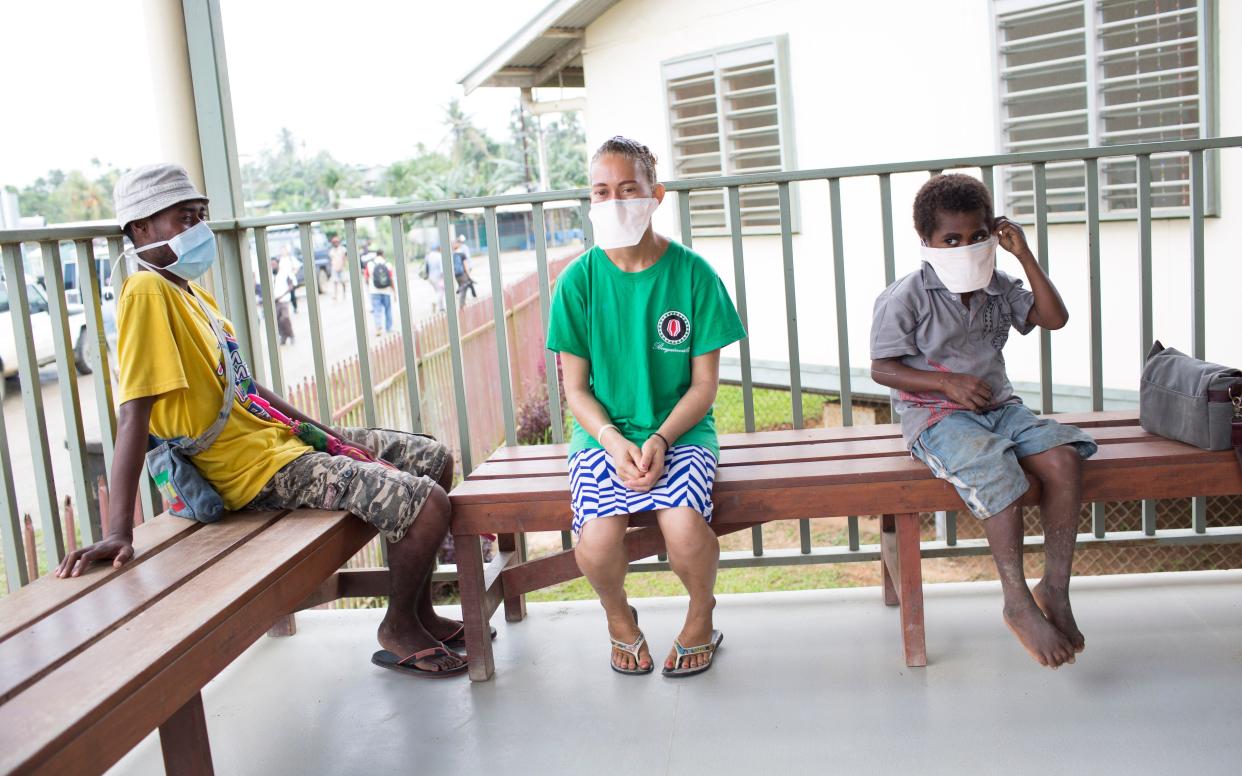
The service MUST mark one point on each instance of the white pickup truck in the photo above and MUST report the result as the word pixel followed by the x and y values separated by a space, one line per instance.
pixel 41 326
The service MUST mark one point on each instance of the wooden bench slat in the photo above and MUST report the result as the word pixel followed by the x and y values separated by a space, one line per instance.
pixel 1123 471
pixel 102 701
pixel 818 451
pixel 821 434
pixel 73 627
pixel 26 605
pixel 1214 476
pixel 767 475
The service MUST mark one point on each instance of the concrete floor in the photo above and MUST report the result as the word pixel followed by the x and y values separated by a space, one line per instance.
pixel 807 682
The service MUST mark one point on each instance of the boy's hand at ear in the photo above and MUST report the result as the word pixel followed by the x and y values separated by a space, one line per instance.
pixel 1048 311
pixel 1011 238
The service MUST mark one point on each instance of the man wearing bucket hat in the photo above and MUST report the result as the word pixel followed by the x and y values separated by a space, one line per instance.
pixel 172 378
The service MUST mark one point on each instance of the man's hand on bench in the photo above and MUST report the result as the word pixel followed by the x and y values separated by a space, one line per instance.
pixel 118 549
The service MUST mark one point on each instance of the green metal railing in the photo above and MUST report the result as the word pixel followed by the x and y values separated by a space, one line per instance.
pixel 234 282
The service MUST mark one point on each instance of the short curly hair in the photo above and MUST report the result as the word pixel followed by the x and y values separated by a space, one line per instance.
pixel 630 149
pixel 953 193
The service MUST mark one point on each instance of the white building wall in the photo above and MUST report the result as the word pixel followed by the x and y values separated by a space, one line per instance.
pixel 894 81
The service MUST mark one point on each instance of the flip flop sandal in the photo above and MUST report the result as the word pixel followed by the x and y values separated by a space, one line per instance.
pixel 684 652
pixel 389 660
pixel 457 641
pixel 632 650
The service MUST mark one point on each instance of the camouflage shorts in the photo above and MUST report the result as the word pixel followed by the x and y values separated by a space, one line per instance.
pixel 387 499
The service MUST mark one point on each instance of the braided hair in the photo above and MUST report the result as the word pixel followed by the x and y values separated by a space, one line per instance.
pixel 630 149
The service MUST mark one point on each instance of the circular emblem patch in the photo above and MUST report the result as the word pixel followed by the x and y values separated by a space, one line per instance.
pixel 674 328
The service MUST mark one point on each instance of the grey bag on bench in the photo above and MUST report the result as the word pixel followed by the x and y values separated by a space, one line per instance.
pixel 1186 399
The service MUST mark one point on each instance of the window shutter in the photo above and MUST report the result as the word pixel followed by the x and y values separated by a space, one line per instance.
pixel 1149 84
pixel 1044 102
pixel 726 118
pixel 1099 72
pixel 694 127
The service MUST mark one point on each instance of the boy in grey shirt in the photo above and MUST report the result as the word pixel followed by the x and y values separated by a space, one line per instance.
pixel 936 340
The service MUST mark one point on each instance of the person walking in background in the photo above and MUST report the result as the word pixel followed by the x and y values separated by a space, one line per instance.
pixel 289 268
pixel 461 270
pixel 433 273
pixel 381 275
pixel 283 285
pixel 336 262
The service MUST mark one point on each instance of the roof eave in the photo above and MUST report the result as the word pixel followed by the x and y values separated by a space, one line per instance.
pixel 483 74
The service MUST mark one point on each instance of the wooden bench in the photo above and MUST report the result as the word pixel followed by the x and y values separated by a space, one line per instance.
pixel 89 666
pixel 782 475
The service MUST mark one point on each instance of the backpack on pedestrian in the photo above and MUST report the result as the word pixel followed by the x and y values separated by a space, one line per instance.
pixel 381 276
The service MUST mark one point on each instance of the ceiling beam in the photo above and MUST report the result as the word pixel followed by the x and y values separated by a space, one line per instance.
pixel 559 61
pixel 564 32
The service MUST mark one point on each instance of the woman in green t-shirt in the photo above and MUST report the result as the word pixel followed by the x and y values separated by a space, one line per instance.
pixel 639 321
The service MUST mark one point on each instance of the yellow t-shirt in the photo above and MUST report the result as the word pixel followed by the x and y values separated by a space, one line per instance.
pixel 167 349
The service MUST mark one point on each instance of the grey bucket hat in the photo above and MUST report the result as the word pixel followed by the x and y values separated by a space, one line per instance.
pixel 146 190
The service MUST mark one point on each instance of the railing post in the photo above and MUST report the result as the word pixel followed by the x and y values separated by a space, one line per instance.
pixel 454 342
pixel 67 377
pixel 1198 322
pixel 1094 297
pixel 32 399
pixel 361 319
pixel 1145 296
pixel 408 344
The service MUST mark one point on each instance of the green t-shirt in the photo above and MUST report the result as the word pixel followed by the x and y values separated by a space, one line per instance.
pixel 640 330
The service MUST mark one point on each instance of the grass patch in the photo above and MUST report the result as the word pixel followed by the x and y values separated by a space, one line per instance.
pixel 773 409
pixel 665 583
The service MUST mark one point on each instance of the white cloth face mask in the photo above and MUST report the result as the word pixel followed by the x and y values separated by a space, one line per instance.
pixel 620 223
pixel 965 268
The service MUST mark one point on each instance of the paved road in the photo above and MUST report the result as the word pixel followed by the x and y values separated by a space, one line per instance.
pixel 340 342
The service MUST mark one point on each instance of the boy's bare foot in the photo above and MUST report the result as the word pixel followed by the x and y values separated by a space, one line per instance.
pixel 625 630
pixel 403 636
pixel 1056 607
pixel 1045 643
pixel 696 630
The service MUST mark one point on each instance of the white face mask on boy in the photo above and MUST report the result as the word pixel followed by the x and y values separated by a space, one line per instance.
pixel 965 268
pixel 620 223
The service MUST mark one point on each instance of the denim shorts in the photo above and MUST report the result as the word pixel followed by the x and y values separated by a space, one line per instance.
pixel 977 453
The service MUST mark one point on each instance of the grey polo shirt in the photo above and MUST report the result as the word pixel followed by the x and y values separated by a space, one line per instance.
pixel 925 325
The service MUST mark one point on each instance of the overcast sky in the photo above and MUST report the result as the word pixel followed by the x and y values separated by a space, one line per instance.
pixel 366 80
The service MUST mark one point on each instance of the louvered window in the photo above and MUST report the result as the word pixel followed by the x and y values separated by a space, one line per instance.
pixel 728 115
pixel 1099 73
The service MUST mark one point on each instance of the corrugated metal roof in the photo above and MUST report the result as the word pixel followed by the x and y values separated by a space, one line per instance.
pixel 546 51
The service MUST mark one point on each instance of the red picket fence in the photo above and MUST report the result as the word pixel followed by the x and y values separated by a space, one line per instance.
pixel 525 331
pixel 525 334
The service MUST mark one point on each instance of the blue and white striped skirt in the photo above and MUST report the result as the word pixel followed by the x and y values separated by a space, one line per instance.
pixel 595 490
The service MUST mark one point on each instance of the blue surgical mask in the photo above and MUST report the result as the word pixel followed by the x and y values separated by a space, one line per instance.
pixel 195 249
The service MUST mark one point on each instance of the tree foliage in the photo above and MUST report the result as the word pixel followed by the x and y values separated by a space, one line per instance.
pixel 65 197
pixel 284 178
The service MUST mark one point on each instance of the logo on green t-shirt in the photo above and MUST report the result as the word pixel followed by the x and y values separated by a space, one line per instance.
pixel 674 327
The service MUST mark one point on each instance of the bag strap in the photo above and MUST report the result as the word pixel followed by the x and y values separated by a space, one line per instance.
pixel 205 440
pixel 1235 397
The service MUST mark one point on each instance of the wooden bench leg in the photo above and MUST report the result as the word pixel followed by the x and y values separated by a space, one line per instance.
pixel 515 606
pixel 903 577
pixel 285 626
pixel 183 739
pixel 474 611
pixel 886 559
